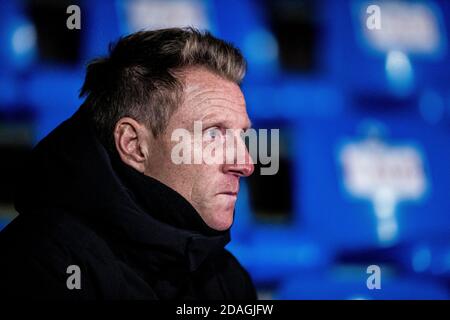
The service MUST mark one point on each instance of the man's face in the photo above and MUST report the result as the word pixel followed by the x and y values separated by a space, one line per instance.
pixel 210 188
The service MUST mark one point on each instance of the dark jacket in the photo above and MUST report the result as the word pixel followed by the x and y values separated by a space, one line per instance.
pixel 131 236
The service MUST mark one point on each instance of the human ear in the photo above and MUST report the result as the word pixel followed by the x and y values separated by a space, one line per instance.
pixel 132 143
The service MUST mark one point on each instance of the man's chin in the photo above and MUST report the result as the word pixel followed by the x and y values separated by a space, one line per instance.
pixel 222 226
pixel 221 220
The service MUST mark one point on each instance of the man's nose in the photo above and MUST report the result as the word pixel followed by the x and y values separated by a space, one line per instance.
pixel 240 170
pixel 238 167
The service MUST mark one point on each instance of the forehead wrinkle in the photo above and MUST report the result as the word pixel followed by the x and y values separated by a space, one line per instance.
pixel 216 115
pixel 195 93
pixel 202 96
pixel 192 98
pixel 221 103
pixel 208 103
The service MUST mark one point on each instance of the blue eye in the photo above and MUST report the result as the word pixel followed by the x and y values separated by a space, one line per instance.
pixel 213 133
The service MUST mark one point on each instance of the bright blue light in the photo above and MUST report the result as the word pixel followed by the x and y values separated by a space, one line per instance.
pixel 261 49
pixel 399 73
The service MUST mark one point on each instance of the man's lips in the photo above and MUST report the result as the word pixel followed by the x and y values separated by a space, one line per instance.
pixel 232 192
pixel 231 189
pixel 229 193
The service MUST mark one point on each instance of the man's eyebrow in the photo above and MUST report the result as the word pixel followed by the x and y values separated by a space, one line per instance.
pixel 212 117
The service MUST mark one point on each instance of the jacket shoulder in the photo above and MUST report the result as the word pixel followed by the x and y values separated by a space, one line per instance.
pixel 43 256
pixel 236 280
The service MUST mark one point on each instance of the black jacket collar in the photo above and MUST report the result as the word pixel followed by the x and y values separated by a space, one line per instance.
pixel 148 222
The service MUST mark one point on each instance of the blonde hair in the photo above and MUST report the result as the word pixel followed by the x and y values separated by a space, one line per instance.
pixel 139 78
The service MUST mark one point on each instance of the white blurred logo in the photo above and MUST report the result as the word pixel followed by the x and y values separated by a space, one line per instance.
pixel 385 175
pixel 400 25
pixel 158 14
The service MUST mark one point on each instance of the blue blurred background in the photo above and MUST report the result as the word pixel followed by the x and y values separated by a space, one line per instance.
pixel 363 113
